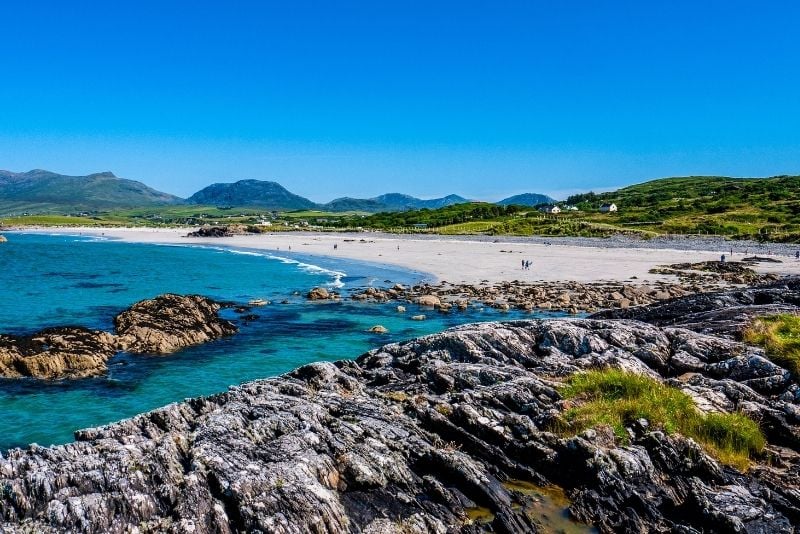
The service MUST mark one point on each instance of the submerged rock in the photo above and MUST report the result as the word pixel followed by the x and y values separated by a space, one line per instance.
pixel 161 325
pixel 430 435
pixel 3 239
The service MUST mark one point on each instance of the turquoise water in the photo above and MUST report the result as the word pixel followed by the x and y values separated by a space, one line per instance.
pixel 73 280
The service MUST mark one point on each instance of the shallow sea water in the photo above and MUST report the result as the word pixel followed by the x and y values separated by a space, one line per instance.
pixel 75 280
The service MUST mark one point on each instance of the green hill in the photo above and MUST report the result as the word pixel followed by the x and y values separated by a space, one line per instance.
pixel 48 192
pixel 761 208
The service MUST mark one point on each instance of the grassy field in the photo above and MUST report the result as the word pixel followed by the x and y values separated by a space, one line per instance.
pixel 617 398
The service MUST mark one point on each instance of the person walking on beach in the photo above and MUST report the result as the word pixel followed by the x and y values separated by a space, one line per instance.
pixel 523 265
pixel 797 255
pixel 723 258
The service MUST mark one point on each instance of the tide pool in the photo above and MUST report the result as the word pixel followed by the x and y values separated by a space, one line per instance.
pixel 74 280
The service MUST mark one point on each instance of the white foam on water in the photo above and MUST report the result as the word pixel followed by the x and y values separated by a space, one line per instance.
pixel 309 268
pixel 313 269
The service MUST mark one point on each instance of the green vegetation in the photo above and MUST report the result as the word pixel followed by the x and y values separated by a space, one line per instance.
pixel 755 208
pixel 41 191
pixel 765 209
pixel 435 218
pixel 617 398
pixel 780 337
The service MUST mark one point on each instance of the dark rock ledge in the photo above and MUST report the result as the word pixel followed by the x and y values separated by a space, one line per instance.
pixel 158 326
pixel 412 436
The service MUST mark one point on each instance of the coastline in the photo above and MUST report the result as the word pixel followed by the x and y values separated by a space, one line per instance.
pixel 459 259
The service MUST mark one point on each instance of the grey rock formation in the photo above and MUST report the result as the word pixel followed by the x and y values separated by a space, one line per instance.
pixel 414 437
pixel 721 313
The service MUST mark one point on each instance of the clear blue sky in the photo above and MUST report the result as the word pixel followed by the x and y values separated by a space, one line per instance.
pixel 484 99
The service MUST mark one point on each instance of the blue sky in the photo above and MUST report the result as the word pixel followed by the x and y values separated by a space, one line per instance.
pixel 484 99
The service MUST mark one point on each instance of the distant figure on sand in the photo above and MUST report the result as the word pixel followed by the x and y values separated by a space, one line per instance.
pixel 797 255
pixel 335 246
pixel 723 258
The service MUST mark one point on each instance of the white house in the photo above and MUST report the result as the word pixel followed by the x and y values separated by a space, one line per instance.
pixel 608 208
pixel 550 209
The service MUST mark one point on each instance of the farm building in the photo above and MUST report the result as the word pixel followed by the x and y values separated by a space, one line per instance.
pixel 608 208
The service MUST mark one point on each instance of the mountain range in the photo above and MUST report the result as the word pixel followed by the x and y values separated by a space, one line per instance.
pixel 41 191
pixel 44 191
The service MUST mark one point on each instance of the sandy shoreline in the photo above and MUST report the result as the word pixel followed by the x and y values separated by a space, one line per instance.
pixel 454 260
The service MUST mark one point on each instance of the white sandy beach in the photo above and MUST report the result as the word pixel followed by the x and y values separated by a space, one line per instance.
pixel 453 260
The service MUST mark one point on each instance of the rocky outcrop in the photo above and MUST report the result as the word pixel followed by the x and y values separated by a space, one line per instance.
pixel 3 239
pixel 320 293
pixel 574 297
pixel 722 313
pixel 170 322
pixel 158 326
pixel 225 230
pixel 715 272
pixel 416 437
pixel 68 352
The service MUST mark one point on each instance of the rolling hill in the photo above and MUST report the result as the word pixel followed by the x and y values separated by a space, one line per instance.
pixel 48 192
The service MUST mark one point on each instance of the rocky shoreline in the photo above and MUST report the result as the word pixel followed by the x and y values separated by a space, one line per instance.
pixel 451 432
pixel 158 326
pixel 571 297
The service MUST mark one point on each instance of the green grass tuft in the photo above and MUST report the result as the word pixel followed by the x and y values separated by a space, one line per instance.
pixel 617 398
pixel 780 337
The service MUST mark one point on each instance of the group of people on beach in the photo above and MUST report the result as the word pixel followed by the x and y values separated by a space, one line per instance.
pixel 526 265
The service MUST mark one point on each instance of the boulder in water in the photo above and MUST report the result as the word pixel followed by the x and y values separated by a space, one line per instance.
pixel 318 293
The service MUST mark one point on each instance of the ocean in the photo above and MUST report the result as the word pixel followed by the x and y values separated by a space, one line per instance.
pixel 58 280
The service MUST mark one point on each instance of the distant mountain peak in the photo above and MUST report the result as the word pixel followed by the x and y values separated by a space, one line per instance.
pixel 249 192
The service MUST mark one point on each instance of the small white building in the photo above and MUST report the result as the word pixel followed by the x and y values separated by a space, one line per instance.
pixel 608 208
pixel 550 209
